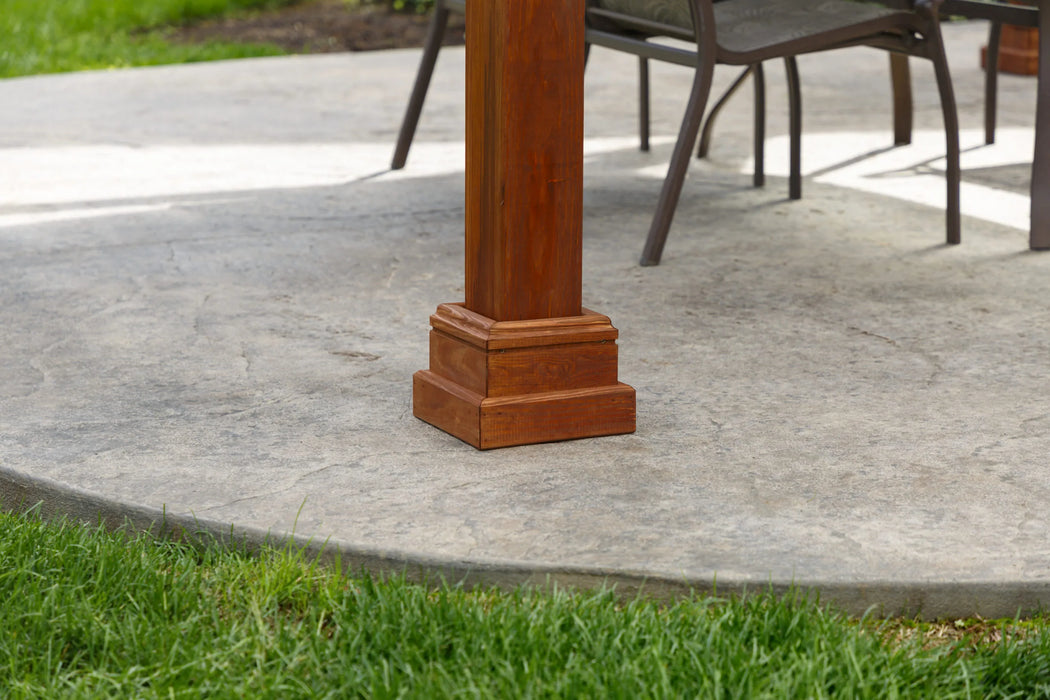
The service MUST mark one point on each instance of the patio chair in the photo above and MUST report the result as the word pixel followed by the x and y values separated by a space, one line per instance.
pixel 432 45
pixel 743 32
pixel 746 32
pixel 1025 15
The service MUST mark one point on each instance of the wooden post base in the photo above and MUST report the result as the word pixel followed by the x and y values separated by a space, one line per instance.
pixel 502 383
pixel 1018 51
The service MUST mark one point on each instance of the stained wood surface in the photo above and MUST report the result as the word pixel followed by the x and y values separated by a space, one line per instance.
pixel 500 383
pixel 524 169
pixel 541 356
pixel 521 361
pixel 1018 50
pixel 486 333
pixel 488 423
pixel 557 416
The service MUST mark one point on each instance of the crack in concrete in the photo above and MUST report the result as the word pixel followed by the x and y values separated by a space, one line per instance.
pixel 247 360
pixel 197 316
pixel 913 348
pixel 36 363
pixel 395 265
pixel 1023 433
pixel 244 499
pixel 297 480
pixel 38 384
pixel 870 334
pixel 1042 417
pixel 355 355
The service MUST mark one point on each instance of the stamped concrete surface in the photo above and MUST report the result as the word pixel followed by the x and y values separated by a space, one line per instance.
pixel 213 295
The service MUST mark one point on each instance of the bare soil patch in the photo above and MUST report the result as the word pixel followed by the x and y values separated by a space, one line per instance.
pixel 322 26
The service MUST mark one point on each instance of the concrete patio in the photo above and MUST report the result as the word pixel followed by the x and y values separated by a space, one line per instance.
pixel 214 295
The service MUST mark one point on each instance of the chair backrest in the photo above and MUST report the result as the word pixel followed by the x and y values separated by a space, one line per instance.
pixel 672 13
pixel 634 20
pixel 691 20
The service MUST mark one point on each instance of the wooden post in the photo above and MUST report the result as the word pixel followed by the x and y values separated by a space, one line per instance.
pixel 521 361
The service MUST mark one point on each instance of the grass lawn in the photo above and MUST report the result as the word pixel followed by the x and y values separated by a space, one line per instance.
pixel 88 613
pixel 47 36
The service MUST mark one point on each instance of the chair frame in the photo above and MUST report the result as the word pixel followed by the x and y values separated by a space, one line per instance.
pixel 636 35
pixel 998 14
pixel 710 52
pixel 432 45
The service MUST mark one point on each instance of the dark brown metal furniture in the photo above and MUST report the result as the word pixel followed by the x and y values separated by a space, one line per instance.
pixel 999 13
pixel 746 33
pixel 432 45
pixel 438 24
pixel 639 27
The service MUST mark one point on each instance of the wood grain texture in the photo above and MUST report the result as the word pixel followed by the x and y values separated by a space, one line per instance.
pixel 458 361
pixel 446 405
pixel 524 165
pixel 488 423
pixel 508 358
pixel 459 321
pixel 499 383
pixel 565 415
pixel 522 361
pixel 551 368
pixel 523 370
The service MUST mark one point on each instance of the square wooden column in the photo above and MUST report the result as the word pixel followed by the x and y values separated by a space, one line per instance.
pixel 521 361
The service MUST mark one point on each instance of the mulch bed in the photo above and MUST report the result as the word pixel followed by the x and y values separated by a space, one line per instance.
pixel 323 26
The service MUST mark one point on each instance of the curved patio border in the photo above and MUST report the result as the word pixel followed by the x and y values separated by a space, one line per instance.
pixel 925 599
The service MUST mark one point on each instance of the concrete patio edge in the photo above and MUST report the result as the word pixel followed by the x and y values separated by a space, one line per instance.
pixel 924 599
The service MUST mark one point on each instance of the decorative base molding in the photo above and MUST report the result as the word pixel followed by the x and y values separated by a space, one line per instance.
pixel 1018 51
pixel 502 383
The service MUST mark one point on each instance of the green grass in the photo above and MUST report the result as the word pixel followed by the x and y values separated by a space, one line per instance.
pixel 86 613
pixel 47 36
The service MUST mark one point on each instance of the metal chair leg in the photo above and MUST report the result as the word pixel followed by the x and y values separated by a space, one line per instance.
pixel 951 135
pixel 795 127
pixel 991 81
pixel 709 123
pixel 643 103
pixel 1039 235
pixel 900 78
pixel 759 176
pixel 435 34
pixel 683 151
